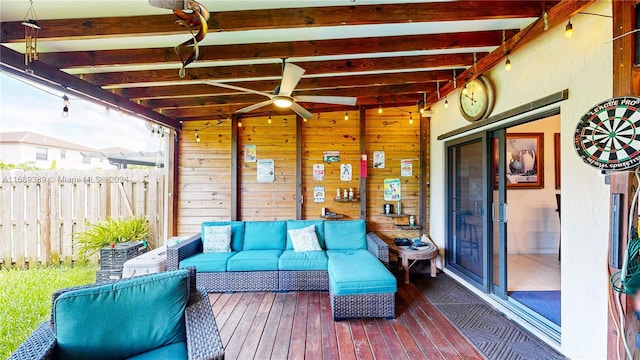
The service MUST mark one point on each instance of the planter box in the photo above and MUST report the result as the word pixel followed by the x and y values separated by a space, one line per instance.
pixel 114 258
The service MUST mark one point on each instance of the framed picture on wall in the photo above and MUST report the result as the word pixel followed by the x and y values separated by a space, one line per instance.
pixel 556 158
pixel 524 160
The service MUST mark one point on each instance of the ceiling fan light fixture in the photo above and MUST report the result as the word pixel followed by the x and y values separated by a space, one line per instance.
pixel 282 101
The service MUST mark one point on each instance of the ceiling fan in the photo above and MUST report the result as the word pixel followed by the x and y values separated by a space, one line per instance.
pixel 281 96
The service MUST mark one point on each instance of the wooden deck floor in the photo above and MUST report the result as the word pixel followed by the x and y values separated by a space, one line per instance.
pixel 298 325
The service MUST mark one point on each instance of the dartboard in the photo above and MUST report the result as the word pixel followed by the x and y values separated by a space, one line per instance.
pixel 607 136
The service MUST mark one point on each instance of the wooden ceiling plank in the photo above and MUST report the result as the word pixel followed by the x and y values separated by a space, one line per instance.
pixel 557 15
pixel 96 59
pixel 266 70
pixel 159 93
pixel 225 111
pixel 13 62
pixel 65 29
pixel 249 99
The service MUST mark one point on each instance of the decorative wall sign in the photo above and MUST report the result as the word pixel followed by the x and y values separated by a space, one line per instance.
pixel 331 156
pixel 378 159
pixel 266 170
pixel 250 153
pixel 392 190
pixel 606 136
pixel 318 172
pixel 406 167
pixel 346 172
pixel 318 194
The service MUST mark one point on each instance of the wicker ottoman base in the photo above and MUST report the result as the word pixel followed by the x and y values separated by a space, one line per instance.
pixel 238 281
pixel 293 280
pixel 363 306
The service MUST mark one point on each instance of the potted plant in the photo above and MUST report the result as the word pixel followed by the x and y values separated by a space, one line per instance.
pixel 110 232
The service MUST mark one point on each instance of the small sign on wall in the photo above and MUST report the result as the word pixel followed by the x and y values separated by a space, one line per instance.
pixel 378 159
pixel 346 172
pixel 318 172
pixel 250 153
pixel 392 191
pixel 266 170
pixel 318 194
pixel 331 156
pixel 406 167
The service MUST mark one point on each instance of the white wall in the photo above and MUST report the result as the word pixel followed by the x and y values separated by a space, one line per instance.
pixel 17 153
pixel 582 64
pixel 534 227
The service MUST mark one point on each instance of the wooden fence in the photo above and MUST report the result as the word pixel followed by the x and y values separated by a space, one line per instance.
pixel 41 210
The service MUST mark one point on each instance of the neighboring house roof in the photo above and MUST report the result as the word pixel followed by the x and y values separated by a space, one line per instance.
pixel 28 137
pixel 114 150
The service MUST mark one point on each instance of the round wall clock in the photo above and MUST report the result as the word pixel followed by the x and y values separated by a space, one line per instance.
pixel 607 135
pixel 476 99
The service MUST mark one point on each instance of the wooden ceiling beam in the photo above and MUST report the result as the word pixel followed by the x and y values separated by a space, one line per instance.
pixel 277 50
pixel 91 28
pixel 306 84
pixel 267 70
pixel 557 15
pixel 370 91
pixel 225 111
pixel 13 62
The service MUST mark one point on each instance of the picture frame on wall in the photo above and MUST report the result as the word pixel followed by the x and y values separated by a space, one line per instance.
pixel 524 160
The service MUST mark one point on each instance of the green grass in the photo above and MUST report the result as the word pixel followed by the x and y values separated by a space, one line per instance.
pixel 26 299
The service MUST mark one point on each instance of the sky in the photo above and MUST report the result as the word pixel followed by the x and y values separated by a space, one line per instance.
pixel 27 108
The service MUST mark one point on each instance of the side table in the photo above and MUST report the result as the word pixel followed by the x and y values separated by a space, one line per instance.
pixel 404 253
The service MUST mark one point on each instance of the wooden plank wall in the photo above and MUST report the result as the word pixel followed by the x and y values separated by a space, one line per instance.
pixel 391 132
pixel 330 132
pixel 204 174
pixel 277 141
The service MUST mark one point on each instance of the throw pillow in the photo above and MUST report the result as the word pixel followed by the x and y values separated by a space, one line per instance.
pixel 305 239
pixel 216 239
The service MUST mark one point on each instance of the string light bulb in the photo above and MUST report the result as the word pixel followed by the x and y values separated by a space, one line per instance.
pixel 197 137
pixel 568 30
pixel 464 90
pixel 65 111
pixel 380 109
pixel 269 121
pixel 107 110
pixel 446 103
pixel 346 116
pixel 239 123
pixel 507 64
pixel 305 119
pixel 65 100
pixel 410 119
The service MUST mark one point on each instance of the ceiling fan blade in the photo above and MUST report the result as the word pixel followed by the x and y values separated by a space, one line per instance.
pixel 254 106
pixel 301 111
pixel 290 78
pixel 339 100
pixel 233 87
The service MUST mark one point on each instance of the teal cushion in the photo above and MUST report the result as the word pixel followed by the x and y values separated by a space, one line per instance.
pixel 254 260
pixel 264 235
pixel 175 351
pixel 345 235
pixel 299 224
pixel 209 262
pixel 237 232
pixel 123 319
pixel 353 272
pixel 308 260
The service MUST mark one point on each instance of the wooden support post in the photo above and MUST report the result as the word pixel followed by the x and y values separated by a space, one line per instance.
pixel 172 183
pixel 299 198
pixel 626 82
pixel 424 173
pixel 234 168
pixel 362 123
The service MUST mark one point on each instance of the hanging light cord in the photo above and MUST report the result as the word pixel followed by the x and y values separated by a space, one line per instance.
pixel 37 87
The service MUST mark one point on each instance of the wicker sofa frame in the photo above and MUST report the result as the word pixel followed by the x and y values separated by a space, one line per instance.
pixel 343 307
pixel 203 339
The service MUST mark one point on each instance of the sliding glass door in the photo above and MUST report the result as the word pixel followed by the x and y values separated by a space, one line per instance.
pixel 466 209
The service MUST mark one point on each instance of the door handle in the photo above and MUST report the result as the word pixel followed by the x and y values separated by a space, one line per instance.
pixel 493 212
pixel 504 213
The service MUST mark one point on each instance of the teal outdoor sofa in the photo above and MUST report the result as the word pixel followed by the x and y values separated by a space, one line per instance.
pixel 158 316
pixel 352 265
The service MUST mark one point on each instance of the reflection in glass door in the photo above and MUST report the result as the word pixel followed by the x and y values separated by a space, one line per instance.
pixel 466 190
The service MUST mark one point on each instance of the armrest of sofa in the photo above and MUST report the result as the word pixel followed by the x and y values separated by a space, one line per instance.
pixel 378 247
pixel 203 339
pixel 41 344
pixel 185 249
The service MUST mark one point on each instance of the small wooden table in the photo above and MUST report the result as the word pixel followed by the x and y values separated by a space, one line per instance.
pixel 427 252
